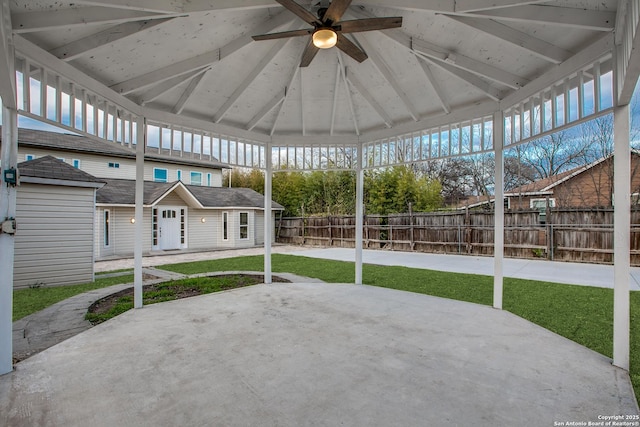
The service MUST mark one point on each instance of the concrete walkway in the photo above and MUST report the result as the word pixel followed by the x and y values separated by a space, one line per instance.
pixel 550 271
pixel 314 355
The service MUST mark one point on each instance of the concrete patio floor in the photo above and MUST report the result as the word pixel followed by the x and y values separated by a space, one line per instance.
pixel 314 354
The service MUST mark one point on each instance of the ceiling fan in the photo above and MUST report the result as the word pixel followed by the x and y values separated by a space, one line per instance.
pixel 328 29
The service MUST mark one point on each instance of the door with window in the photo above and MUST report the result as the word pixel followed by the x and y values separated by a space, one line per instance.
pixel 168 228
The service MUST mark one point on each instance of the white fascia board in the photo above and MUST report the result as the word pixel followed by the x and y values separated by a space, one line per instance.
pixel 60 182
pixel 119 205
pixel 183 192
pixel 530 193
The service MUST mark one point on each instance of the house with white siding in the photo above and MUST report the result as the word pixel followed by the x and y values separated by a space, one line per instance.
pixel 185 206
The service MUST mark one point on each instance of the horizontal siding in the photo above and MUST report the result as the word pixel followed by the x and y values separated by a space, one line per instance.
pixel 203 235
pixel 122 232
pixel 172 199
pixel 98 165
pixel 54 239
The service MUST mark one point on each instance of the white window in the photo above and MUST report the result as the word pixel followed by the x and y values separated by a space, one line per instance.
pixel 29 157
pixel 244 225
pixel 114 165
pixel 106 226
pixel 61 159
pixel 208 180
pixel 154 227
pixel 225 225
pixel 541 204
pixel 76 163
pixel 183 226
pixel 196 178
pixel 160 175
pixel 179 175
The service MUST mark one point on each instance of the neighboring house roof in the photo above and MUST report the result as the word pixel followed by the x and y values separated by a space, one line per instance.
pixel 49 170
pixel 82 144
pixel 121 192
pixel 541 187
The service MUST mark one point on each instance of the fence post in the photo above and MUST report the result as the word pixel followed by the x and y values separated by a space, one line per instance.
pixel 303 230
pixel 412 243
pixel 330 231
pixel 549 229
pixel 390 234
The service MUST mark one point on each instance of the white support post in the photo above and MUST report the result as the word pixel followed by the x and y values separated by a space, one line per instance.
pixel 498 245
pixel 268 225
pixel 139 210
pixel 621 237
pixel 359 220
pixel 8 193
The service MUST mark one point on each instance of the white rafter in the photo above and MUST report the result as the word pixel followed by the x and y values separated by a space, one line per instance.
pixel 362 89
pixel 526 41
pixel 386 72
pixel 160 89
pixel 434 84
pixel 478 5
pixel 184 98
pixel 266 110
pixel 290 80
pixel 334 107
pixel 565 16
pixel 302 102
pixel 475 81
pixel 343 76
pixel 437 52
pixel 25 22
pixel 202 60
pixel 237 93
pixel 173 6
pixel 88 44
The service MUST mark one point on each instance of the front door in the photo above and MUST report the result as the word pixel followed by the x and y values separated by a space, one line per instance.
pixel 168 228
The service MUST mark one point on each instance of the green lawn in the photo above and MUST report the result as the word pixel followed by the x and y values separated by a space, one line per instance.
pixel 581 313
pixel 30 300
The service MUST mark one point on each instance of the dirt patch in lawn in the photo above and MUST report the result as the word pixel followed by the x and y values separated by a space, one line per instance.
pixel 118 302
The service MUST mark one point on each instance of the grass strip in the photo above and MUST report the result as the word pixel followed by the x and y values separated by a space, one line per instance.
pixel 167 291
pixel 30 300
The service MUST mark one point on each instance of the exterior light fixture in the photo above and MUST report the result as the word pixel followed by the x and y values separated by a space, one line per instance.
pixel 133 220
pixel 203 220
pixel 325 38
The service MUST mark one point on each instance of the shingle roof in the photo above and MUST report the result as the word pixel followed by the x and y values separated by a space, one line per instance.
pixel 122 192
pixel 229 197
pixel 82 144
pixel 48 167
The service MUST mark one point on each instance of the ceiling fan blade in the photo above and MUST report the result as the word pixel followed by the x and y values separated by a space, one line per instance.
pixel 300 11
pixel 309 53
pixel 369 24
pixel 348 47
pixel 283 34
pixel 337 8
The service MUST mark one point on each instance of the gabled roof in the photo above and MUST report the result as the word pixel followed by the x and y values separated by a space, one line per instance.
pixel 49 170
pixel 82 144
pixel 121 192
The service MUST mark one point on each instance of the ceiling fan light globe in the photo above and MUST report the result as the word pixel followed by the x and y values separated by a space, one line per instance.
pixel 325 38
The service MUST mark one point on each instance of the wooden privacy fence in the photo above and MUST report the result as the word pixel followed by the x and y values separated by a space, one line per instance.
pixel 579 235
